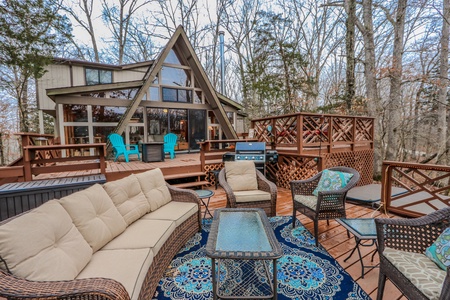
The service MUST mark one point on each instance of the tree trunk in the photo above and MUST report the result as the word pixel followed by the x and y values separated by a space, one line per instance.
pixel 372 98
pixel 443 86
pixel 350 49
pixel 395 93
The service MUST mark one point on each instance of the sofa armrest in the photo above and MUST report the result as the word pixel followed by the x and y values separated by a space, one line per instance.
pixel 412 235
pixel 12 287
pixel 185 195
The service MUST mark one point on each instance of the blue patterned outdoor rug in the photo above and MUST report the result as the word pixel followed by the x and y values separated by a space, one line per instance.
pixel 304 271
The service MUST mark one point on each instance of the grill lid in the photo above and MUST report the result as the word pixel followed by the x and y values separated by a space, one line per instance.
pixel 250 147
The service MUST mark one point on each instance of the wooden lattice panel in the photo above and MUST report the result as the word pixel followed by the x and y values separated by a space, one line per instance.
pixel 342 129
pixel 426 188
pixel 261 132
pixel 291 168
pixel 364 129
pixel 286 130
pixel 208 171
pixel 315 129
pixel 362 161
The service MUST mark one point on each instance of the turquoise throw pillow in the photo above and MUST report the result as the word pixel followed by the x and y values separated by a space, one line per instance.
pixel 332 181
pixel 439 251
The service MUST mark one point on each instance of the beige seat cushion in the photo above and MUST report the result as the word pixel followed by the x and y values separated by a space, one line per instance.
pixel 143 234
pixel 173 211
pixel 241 175
pixel 44 245
pixel 95 216
pixel 309 201
pixel 154 187
pixel 127 266
pixel 128 197
pixel 251 196
pixel 419 269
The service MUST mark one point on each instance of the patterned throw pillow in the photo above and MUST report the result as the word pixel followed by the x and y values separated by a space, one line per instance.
pixel 439 251
pixel 332 181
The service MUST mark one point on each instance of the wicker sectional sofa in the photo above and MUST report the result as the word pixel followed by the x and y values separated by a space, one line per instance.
pixel 111 241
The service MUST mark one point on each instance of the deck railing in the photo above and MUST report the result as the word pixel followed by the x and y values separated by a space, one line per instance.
pixel 304 133
pixel 426 187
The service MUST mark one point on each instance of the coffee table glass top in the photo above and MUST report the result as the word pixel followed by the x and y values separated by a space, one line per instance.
pixel 241 231
pixel 365 228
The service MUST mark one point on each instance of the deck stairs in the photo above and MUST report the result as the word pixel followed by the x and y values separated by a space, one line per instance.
pixel 187 180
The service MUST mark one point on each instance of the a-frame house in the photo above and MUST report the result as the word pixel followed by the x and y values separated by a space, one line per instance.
pixel 142 101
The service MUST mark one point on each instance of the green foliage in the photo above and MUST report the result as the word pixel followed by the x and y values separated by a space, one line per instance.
pixel 276 75
pixel 30 31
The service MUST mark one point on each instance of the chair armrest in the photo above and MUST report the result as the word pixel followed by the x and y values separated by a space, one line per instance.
pixel 231 198
pixel 445 292
pixel 132 145
pixel 266 185
pixel 412 235
pixel 12 287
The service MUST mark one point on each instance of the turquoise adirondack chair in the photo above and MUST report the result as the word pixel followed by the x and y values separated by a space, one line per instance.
pixel 170 140
pixel 120 148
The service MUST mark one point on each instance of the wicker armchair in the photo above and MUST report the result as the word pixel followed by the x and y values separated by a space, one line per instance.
pixel 327 205
pixel 409 235
pixel 265 185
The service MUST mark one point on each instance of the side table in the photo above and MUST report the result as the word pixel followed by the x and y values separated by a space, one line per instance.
pixel 205 194
pixel 362 229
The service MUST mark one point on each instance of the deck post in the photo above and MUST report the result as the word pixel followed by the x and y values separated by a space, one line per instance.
pixel 386 186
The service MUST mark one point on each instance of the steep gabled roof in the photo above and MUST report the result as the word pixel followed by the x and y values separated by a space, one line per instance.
pixel 181 44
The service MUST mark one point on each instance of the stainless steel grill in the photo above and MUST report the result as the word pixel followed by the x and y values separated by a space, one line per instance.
pixel 254 151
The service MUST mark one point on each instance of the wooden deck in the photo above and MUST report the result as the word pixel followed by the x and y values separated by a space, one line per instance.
pixel 334 239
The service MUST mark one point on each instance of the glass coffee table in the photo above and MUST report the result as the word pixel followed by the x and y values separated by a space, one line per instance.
pixel 242 241
pixel 362 229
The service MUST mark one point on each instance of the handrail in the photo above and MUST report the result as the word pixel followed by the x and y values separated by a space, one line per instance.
pixel 326 133
pixel 426 186
pixel 38 161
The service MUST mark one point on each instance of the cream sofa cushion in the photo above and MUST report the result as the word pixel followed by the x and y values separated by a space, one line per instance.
pixel 143 234
pixel 95 216
pixel 173 211
pixel 251 196
pixel 154 187
pixel 419 269
pixel 127 196
pixel 241 175
pixel 44 245
pixel 127 266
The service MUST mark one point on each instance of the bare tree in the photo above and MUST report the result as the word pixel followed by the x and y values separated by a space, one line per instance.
pixel 82 13
pixel 118 18
pixel 442 128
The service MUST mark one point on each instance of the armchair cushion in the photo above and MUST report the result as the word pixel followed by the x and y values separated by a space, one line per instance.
pixel 94 214
pixel 241 175
pixel 419 269
pixel 252 196
pixel 127 196
pixel 309 201
pixel 332 181
pixel 154 187
pixel 439 251
pixel 59 253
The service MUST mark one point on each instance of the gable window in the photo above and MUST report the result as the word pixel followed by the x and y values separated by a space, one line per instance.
pixel 176 95
pixel 176 77
pixel 97 76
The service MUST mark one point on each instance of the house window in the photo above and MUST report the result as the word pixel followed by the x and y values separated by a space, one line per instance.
pixel 98 76
pixel 176 95
pixel 175 77
pixel 75 113
pixel 107 113
pixel 230 116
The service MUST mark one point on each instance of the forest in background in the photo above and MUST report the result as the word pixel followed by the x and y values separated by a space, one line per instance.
pixel 384 59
